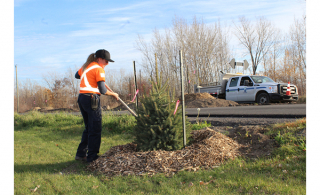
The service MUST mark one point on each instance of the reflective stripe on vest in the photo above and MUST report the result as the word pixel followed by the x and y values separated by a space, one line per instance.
pixel 86 83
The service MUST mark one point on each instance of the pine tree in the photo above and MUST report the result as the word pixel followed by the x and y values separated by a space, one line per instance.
pixel 157 126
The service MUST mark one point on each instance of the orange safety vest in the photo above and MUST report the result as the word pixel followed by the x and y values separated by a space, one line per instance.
pixel 90 78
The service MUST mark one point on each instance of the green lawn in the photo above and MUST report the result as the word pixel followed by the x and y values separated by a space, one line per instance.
pixel 45 146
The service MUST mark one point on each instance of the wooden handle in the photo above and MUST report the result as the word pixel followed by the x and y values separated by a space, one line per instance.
pixel 122 102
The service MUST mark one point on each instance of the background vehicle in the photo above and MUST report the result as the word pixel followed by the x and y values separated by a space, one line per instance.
pixel 249 88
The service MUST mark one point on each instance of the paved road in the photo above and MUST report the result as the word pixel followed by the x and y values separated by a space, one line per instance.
pixel 259 111
pixel 265 111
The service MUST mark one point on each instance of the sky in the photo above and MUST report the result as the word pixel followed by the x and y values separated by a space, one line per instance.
pixel 54 35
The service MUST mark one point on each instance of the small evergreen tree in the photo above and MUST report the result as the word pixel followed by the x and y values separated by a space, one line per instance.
pixel 157 126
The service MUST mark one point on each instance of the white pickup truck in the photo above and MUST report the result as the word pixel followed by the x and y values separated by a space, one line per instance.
pixel 249 88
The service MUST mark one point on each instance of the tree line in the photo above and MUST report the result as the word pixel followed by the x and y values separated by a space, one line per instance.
pixel 62 89
pixel 206 51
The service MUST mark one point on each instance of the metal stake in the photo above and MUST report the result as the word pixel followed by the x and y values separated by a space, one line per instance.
pixel 135 83
pixel 182 99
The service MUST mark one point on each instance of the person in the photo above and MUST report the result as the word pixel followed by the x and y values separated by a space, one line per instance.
pixel 92 85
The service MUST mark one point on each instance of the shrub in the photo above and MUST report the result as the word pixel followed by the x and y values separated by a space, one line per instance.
pixel 157 126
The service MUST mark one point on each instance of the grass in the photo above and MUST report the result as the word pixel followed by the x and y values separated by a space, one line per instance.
pixel 45 146
pixel 200 125
pixel 302 99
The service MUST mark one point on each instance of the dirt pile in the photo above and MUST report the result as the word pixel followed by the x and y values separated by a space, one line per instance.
pixel 198 96
pixel 253 140
pixel 205 100
pixel 208 149
pixel 193 100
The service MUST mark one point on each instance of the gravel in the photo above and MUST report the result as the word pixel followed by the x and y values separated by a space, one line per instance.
pixel 234 122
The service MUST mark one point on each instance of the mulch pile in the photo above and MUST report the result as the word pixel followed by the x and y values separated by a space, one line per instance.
pixel 208 150
pixel 205 100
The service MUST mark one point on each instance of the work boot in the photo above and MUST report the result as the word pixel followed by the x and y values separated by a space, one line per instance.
pixel 81 158
pixel 95 158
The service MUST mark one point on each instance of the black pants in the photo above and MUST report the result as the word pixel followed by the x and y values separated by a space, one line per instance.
pixel 91 136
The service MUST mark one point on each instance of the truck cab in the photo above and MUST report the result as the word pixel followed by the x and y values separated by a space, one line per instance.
pixel 260 89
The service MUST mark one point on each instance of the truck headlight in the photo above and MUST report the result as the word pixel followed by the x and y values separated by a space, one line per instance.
pixel 273 89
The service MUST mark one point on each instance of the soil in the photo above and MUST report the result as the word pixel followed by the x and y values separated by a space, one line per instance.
pixel 205 100
pixel 254 143
pixel 210 147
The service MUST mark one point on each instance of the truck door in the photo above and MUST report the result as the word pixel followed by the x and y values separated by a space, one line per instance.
pixel 232 89
pixel 246 90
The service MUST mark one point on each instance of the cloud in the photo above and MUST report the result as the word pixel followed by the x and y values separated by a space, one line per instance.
pixel 87 33
pixel 131 7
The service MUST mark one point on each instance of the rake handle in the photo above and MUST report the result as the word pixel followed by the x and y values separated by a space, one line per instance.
pixel 122 102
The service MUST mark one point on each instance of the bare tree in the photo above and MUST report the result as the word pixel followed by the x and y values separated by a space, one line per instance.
pixel 61 88
pixel 297 52
pixel 205 52
pixel 257 38
pixel 273 60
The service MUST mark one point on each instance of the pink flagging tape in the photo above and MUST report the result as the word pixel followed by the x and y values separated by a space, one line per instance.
pixel 189 81
pixel 194 72
pixel 177 104
pixel 135 95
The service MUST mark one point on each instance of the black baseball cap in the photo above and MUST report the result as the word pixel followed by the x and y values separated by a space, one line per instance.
pixel 104 54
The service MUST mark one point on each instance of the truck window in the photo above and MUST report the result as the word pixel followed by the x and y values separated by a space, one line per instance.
pixel 244 79
pixel 262 79
pixel 234 82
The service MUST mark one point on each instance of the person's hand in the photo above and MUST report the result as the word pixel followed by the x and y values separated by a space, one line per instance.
pixel 116 96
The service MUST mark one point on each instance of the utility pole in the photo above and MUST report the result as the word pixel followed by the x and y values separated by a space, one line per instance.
pixel 182 99
pixel 17 90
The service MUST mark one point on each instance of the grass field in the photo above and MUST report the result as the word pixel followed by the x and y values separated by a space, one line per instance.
pixel 45 146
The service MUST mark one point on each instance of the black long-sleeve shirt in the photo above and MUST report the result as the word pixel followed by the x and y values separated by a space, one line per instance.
pixel 101 86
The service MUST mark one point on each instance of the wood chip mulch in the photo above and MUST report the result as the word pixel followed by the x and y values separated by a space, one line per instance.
pixel 208 150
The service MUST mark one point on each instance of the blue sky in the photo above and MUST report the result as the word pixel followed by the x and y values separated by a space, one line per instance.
pixel 53 35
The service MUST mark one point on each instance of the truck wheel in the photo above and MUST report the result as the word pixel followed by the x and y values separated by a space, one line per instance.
pixel 262 98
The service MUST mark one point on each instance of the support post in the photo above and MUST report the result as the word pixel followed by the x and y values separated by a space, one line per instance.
pixel 182 100
pixel 135 82
pixel 198 82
